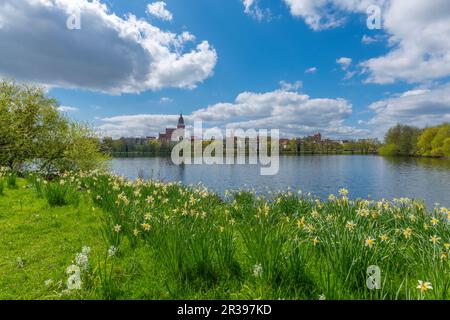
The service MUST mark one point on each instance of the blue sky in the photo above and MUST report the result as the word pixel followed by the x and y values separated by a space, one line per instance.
pixel 251 70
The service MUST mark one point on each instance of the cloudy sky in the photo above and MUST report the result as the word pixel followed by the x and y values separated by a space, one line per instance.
pixel 301 66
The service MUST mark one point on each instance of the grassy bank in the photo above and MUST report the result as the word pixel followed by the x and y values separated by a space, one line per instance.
pixel 97 236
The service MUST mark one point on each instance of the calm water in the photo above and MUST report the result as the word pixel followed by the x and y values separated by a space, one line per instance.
pixel 364 176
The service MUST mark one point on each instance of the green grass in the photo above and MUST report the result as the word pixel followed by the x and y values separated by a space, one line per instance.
pixel 45 239
pixel 175 242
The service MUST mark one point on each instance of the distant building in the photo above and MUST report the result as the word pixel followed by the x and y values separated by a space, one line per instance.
pixel 317 137
pixel 167 136
pixel 284 143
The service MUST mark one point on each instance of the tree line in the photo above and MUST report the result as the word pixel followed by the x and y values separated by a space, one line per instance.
pixel 405 140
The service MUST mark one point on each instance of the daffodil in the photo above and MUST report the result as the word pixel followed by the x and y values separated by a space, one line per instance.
pixel 434 221
pixel 424 286
pixel 435 239
pixel 407 233
pixel 350 225
pixel 370 242
pixel 343 192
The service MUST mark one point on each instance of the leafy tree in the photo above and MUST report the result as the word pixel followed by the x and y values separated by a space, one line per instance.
pixel 433 141
pixel 32 130
pixel 446 148
pixel 401 140
pixel 425 140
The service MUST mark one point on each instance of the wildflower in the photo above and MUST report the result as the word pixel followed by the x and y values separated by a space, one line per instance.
pixel 384 237
pixel 146 226
pixel 20 262
pixel 424 286
pixel 412 217
pixel 147 216
pixel 72 269
pixel 221 228
pixel 331 197
pixel 434 221
pixel 407 233
pixel 82 261
pixel 85 250
pixel 48 282
pixel 74 281
pixel 444 255
pixel 322 297
pixel 343 192
pixel 257 270
pixel 370 242
pixel 315 241
pixel 363 212
pixel 135 232
pixel 301 222
pixel 447 245
pixel 350 225
pixel 435 239
pixel 314 213
pixel 425 226
pixel 117 228
pixel 112 251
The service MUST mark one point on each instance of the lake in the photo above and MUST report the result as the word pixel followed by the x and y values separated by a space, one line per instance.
pixel 364 176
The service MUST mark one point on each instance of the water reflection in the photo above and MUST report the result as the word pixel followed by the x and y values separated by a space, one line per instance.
pixel 364 176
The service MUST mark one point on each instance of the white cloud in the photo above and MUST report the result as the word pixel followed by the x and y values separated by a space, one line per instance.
pixel 158 9
pixel 418 34
pixel 311 70
pixel 165 100
pixel 371 39
pixel 420 39
pixel 327 14
pixel 293 113
pixel 419 107
pixel 252 8
pixel 67 109
pixel 287 86
pixel 344 62
pixel 109 54
pixel 140 125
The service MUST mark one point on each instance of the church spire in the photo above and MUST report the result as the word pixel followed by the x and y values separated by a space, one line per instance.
pixel 181 122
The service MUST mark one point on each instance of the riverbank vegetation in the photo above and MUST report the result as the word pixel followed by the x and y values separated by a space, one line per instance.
pixel 89 235
pixel 403 140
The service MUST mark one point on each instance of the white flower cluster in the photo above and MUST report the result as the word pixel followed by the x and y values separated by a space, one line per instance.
pixel 112 251
pixel 75 270
pixel 257 270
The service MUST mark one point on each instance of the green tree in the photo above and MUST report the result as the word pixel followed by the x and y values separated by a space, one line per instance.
pixel 32 130
pixel 401 140
pixel 425 140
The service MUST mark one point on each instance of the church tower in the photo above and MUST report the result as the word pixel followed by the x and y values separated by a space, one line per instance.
pixel 181 122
